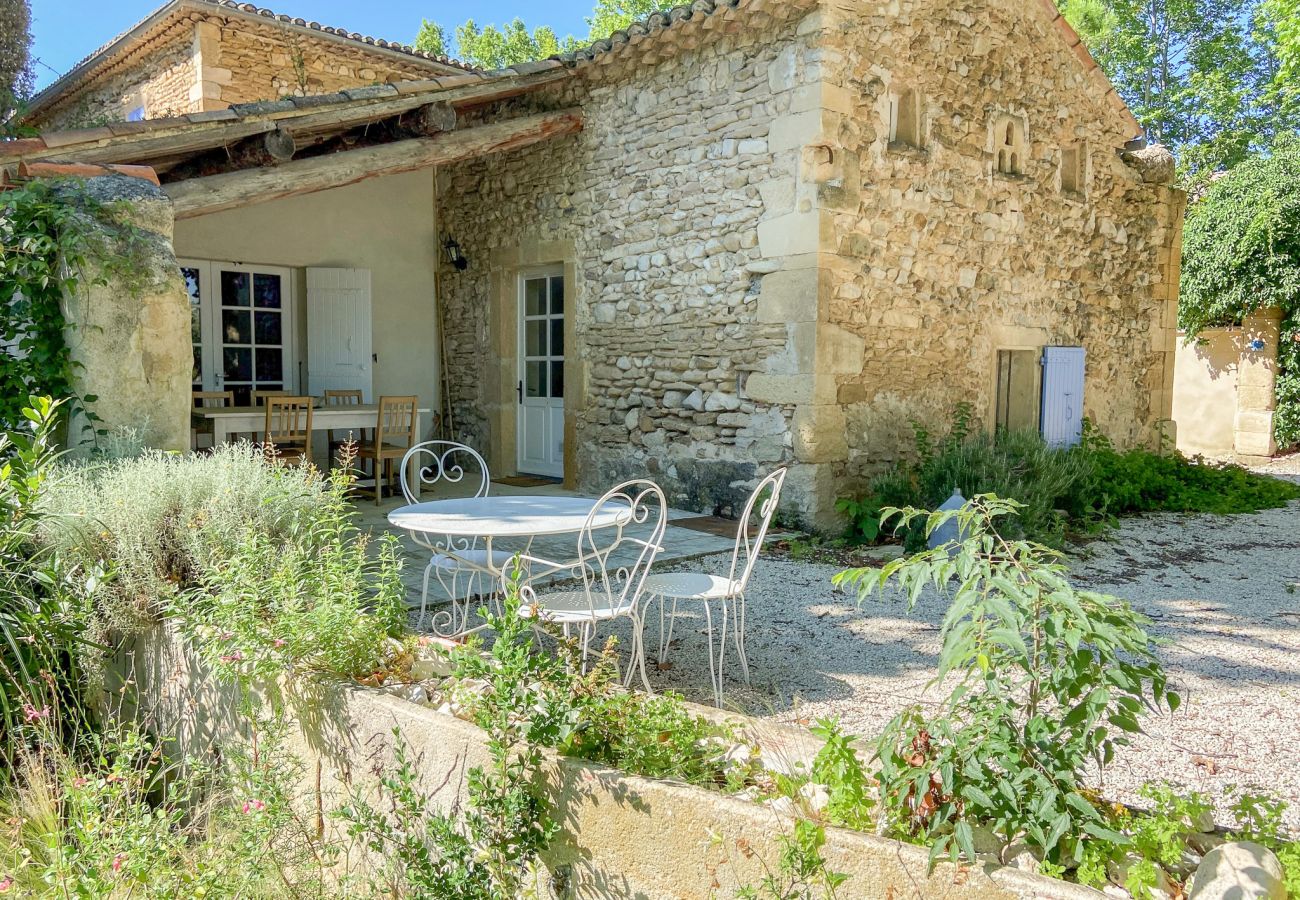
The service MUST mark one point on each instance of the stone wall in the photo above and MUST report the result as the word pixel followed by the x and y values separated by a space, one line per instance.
pixel 197 65
pixel 162 81
pixel 130 334
pixel 242 63
pixel 936 259
pixel 618 835
pixel 657 207
pixel 766 275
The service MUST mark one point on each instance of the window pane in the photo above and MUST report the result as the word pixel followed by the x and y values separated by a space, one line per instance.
pixel 533 385
pixel 266 328
pixel 197 375
pixel 270 364
pixel 234 288
pixel 557 295
pixel 535 297
pixel 243 394
pixel 238 364
pixel 191 277
pixel 266 291
pixel 236 326
pixel 196 325
pixel 557 380
pixel 535 338
pixel 557 337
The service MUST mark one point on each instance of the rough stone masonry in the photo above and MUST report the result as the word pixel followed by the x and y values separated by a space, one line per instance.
pixel 790 240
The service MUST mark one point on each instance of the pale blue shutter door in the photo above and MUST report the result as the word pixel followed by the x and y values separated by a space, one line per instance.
pixel 1062 396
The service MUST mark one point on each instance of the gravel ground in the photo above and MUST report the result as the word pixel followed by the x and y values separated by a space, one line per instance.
pixel 1217 588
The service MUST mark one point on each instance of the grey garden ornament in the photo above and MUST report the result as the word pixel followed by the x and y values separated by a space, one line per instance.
pixel 948 532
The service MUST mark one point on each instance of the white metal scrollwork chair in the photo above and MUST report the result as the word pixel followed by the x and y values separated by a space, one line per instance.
pixel 455 561
pixel 729 591
pixel 612 569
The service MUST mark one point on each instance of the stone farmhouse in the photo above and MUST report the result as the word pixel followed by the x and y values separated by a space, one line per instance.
pixel 740 234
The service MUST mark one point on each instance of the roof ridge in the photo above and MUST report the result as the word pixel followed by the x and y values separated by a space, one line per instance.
pixel 651 24
pixel 58 88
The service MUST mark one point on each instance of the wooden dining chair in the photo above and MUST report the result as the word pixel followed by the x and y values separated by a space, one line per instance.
pixel 208 400
pixel 260 397
pixel 394 436
pixel 338 438
pixel 288 428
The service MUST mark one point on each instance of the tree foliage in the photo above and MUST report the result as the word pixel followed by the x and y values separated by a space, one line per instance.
pixel 1204 77
pixel 1241 253
pixel 15 53
pixel 494 47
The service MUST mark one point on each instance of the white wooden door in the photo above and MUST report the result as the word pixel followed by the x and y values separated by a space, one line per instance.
pixel 338 331
pixel 241 327
pixel 1063 380
pixel 540 425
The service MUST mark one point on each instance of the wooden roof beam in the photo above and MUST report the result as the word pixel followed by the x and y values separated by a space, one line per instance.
pixel 201 196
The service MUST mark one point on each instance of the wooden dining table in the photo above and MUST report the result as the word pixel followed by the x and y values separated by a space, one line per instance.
pixel 230 421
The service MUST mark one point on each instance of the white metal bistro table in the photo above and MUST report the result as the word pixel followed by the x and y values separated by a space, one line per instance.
pixel 454 528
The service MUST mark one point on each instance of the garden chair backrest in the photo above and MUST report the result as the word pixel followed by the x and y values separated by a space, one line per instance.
pixel 613 581
pixel 395 426
pixel 213 399
pixel 288 421
pixel 444 461
pixel 753 528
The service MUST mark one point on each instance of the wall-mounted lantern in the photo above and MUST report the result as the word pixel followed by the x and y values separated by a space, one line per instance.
pixel 454 256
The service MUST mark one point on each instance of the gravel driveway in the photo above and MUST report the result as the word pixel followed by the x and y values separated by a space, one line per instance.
pixel 1217 588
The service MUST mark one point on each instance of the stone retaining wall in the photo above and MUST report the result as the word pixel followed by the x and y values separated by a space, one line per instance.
pixel 622 836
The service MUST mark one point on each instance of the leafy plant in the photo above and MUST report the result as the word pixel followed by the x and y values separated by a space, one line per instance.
pixel 52 234
pixel 839 770
pixel 1048 681
pixel 1241 253
pixel 121 821
pixel 40 612
pixel 801 872
pixel 322 597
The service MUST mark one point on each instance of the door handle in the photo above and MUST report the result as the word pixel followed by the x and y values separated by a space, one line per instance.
pixel 520 390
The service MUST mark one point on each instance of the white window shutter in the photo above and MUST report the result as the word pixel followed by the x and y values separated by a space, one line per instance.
pixel 339 331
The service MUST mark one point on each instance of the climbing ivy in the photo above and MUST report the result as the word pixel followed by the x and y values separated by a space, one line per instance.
pixel 50 232
pixel 1241 253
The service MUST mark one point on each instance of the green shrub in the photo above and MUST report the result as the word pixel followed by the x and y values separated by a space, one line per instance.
pixel 119 821
pixel 41 608
pixel 1080 489
pixel 159 522
pixel 1049 681
pixel 321 596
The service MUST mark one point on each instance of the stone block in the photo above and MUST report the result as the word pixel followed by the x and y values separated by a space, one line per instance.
pixel 1237 870
pixel 789 296
pixel 793 233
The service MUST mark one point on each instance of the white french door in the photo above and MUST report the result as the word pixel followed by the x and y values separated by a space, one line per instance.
pixel 540 425
pixel 242 326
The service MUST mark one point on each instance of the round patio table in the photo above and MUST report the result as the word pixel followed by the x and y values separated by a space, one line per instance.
pixel 461 532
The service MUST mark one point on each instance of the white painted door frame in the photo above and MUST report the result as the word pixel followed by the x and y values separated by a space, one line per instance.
pixel 541 300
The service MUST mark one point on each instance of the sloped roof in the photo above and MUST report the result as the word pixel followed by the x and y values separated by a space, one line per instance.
pixel 164 144
pixel 162 19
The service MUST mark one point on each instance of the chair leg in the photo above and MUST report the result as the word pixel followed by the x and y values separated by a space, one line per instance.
pixel 739 626
pixel 638 651
pixel 424 594
pixel 715 673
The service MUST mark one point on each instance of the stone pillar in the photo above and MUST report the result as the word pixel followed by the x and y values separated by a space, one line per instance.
pixel 1257 384
pixel 131 334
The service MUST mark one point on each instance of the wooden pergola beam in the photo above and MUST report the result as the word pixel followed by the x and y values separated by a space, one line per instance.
pixel 200 196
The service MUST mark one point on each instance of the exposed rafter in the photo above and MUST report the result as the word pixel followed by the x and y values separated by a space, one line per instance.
pixel 200 196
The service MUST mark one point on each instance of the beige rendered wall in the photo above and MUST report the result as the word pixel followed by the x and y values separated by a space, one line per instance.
pixel 1225 388
pixel 1205 391
pixel 386 225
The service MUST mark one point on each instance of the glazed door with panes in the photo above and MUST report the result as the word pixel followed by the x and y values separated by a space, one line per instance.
pixel 540 426
pixel 241 323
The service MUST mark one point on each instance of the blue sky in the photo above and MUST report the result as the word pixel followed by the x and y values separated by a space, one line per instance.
pixel 64 31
